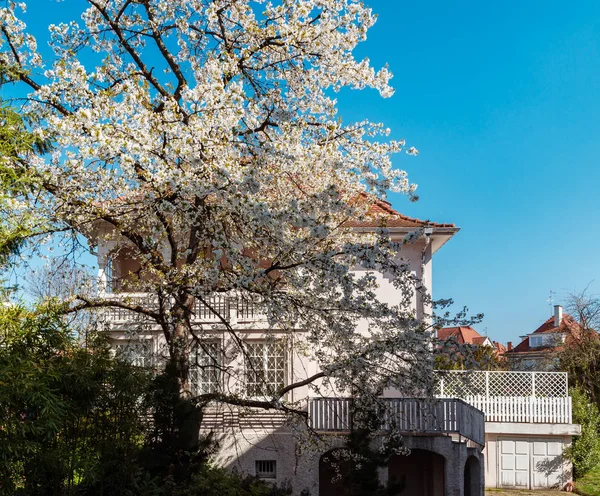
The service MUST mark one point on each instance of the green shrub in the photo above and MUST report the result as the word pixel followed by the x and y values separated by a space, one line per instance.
pixel 585 450
pixel 69 414
pixel 215 481
pixel 71 423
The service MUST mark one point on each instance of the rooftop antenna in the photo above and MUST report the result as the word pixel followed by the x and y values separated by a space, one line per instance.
pixel 550 299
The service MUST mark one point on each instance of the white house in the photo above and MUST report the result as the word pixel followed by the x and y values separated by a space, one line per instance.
pixel 446 436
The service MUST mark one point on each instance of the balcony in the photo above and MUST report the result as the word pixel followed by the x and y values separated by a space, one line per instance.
pixel 450 417
pixel 522 397
pixel 216 309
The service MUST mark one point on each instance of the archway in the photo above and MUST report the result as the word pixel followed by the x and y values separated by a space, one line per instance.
pixel 421 472
pixel 333 474
pixel 472 477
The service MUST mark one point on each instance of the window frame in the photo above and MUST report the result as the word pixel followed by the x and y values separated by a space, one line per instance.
pixel 254 388
pixel 216 384
pixel 147 343
pixel 265 474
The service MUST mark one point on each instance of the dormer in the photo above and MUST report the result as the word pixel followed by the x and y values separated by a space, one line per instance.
pixel 545 341
pixel 553 332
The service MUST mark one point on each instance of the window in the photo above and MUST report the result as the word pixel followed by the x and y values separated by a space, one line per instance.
pixel 138 353
pixel 535 341
pixel 205 364
pixel 266 469
pixel 265 368
pixel 108 274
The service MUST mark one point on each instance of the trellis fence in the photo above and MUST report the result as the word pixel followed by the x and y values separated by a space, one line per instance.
pixel 538 397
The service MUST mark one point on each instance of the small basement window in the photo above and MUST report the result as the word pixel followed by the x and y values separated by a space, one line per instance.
pixel 266 469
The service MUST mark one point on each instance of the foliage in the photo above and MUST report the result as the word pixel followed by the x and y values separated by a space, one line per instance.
pixel 451 355
pixel 585 450
pixel 16 144
pixel 589 484
pixel 69 415
pixel 72 424
pixel 212 481
pixel 206 143
pixel 581 359
pixel 581 355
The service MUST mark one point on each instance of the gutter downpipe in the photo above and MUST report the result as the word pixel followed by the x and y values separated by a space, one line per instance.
pixel 428 231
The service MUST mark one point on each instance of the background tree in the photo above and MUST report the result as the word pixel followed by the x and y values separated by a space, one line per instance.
pixel 581 354
pixel 17 144
pixel 451 355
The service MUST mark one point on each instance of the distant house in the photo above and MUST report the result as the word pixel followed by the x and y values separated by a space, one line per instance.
pixel 539 350
pixel 528 415
pixel 468 335
pixel 464 335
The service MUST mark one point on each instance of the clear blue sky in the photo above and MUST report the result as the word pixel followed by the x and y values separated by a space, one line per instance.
pixel 503 102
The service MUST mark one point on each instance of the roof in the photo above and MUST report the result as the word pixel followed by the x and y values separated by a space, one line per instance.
pixel 500 348
pixel 462 334
pixel 381 214
pixel 568 325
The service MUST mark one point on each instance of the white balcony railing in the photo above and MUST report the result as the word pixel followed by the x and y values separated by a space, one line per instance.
pixel 527 397
pixel 214 309
pixel 524 409
pixel 410 415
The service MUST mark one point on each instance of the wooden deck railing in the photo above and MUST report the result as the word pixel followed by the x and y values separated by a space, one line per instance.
pixel 409 415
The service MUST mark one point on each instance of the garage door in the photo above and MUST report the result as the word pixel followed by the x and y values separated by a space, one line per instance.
pixel 527 463
pixel 514 463
pixel 547 463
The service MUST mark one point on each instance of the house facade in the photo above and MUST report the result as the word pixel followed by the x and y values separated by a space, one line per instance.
pixel 445 436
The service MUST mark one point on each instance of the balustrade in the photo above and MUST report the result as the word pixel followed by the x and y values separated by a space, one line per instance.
pixel 414 415
pixel 216 308
pixel 510 396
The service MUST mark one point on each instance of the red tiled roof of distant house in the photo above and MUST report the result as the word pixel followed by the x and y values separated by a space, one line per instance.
pixel 381 214
pixel 500 348
pixel 568 326
pixel 462 334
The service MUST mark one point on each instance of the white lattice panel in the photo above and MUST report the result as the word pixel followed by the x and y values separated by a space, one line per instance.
pixel 460 384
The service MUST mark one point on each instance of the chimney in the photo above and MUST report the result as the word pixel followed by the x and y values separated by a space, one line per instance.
pixel 557 315
pixel 509 346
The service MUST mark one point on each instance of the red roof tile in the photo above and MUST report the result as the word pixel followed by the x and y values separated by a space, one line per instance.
pixel 462 334
pixel 500 348
pixel 381 214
